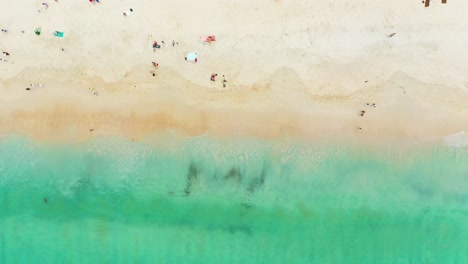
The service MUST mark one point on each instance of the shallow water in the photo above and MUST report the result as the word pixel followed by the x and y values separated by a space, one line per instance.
pixel 234 201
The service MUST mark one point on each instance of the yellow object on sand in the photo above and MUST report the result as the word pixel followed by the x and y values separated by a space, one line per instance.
pixel 91 88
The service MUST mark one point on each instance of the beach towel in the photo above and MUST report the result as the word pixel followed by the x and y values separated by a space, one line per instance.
pixel 208 39
pixel 211 38
pixel 191 56
pixel 58 34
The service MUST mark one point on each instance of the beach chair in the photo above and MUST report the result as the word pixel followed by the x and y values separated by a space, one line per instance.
pixel 426 3
pixel 444 1
pixel 58 34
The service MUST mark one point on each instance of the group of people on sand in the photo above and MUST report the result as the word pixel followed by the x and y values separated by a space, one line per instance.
pixel 32 85
pixel 213 78
pixel 364 111
pixel 4 54
pixel 126 13
pixel 156 45
pixel 45 5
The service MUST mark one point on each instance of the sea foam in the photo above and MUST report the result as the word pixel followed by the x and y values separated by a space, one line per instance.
pixel 459 139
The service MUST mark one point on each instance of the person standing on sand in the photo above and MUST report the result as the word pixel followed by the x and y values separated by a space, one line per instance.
pixel 213 77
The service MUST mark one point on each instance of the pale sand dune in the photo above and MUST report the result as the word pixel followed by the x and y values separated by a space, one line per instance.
pixel 294 68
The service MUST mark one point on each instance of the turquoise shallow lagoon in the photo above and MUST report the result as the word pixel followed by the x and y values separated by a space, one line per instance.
pixel 233 201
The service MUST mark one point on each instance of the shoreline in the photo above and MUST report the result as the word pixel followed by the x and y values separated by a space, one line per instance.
pixel 68 110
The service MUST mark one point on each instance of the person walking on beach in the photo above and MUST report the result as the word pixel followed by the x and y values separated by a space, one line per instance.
pixel 224 81
pixel 213 77
pixel 174 43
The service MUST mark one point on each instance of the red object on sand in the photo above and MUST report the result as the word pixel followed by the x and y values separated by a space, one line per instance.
pixel 208 39
pixel 211 38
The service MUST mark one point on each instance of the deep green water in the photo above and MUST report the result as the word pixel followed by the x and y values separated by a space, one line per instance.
pixel 239 201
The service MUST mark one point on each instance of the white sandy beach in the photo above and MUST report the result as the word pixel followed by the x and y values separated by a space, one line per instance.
pixel 294 69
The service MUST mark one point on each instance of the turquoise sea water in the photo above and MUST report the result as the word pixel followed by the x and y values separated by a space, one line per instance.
pixel 233 201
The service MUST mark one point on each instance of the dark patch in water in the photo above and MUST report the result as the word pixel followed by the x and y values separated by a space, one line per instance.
pixel 240 228
pixel 245 209
pixel 426 210
pixel 246 205
pixel 422 191
pixel 257 183
pixel 235 174
pixel 192 177
pixel 456 198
